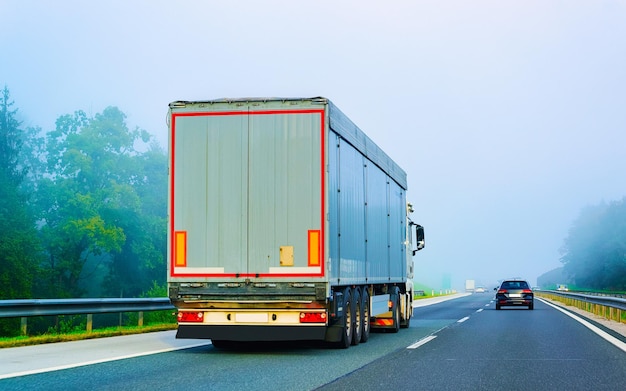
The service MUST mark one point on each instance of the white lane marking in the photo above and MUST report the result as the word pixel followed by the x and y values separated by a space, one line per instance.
pixel 462 320
pixel 608 337
pixel 479 310
pixel 422 342
pixel 82 364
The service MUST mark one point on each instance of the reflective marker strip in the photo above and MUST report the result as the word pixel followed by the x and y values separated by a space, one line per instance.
pixel 314 247
pixel 422 342
pixel 180 250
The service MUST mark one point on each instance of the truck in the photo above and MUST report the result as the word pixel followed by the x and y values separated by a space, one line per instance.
pixel 470 285
pixel 285 223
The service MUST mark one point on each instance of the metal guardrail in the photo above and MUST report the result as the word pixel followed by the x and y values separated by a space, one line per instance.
pixel 50 307
pixel 610 307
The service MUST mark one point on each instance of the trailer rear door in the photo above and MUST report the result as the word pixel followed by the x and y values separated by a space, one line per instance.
pixel 246 192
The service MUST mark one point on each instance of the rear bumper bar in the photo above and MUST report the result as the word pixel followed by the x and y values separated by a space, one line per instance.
pixel 252 333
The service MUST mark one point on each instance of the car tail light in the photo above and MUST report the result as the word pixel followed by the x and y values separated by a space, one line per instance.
pixel 312 317
pixel 502 291
pixel 527 291
pixel 196 317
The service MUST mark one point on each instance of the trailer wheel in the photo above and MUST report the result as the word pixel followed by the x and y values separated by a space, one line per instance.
pixel 408 313
pixel 346 334
pixel 396 311
pixel 358 317
pixel 365 309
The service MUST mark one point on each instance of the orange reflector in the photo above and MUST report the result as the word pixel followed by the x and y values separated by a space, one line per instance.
pixel 190 316
pixel 180 248
pixel 314 247
pixel 312 317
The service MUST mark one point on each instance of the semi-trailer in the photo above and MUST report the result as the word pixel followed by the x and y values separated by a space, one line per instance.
pixel 285 222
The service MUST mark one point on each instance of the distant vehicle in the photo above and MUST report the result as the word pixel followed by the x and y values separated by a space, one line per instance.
pixel 514 293
pixel 479 289
pixel 536 288
pixel 469 285
pixel 562 288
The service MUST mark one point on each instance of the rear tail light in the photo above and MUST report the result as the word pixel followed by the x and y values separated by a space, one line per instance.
pixel 527 291
pixel 312 317
pixel 184 316
pixel 502 291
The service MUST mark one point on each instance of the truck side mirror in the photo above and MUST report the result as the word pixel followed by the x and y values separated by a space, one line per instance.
pixel 419 238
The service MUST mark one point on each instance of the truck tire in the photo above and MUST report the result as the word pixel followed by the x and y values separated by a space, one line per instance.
pixel 396 311
pixel 408 312
pixel 365 309
pixel 347 320
pixel 357 318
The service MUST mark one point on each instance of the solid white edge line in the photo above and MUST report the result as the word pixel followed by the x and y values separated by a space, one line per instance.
pixel 608 337
pixel 82 364
pixel 463 319
pixel 422 342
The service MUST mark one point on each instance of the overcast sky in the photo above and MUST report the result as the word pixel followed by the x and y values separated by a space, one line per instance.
pixel 508 116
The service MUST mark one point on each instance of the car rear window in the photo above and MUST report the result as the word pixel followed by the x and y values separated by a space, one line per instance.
pixel 515 285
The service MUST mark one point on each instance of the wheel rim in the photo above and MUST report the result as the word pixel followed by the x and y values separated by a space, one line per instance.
pixel 365 308
pixel 348 315
pixel 358 324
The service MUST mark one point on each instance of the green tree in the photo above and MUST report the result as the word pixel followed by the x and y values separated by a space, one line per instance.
pixel 102 204
pixel 19 245
pixel 141 261
pixel 85 193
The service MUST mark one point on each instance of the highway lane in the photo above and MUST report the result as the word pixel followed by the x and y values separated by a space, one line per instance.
pixel 284 366
pixel 511 349
pixel 471 349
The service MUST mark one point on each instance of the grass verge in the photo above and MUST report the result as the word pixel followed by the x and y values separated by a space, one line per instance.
pixel 13 342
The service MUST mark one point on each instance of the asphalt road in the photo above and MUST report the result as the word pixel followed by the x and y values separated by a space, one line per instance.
pixel 512 349
pixel 460 344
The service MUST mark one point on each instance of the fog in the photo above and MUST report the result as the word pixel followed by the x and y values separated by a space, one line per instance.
pixel 508 116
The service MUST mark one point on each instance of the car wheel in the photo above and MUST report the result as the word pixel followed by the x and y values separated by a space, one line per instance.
pixel 498 307
pixel 531 306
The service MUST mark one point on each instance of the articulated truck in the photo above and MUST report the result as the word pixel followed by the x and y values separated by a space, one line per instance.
pixel 286 222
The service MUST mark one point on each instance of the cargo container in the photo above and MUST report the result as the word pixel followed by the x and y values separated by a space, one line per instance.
pixel 286 222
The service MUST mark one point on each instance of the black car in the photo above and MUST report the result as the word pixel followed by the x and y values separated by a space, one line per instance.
pixel 514 293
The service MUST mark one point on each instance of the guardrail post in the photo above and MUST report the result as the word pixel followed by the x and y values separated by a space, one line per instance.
pixel 23 325
pixel 140 323
pixel 89 323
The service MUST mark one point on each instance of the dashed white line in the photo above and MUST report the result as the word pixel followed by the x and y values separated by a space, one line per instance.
pixel 422 342
pixel 463 319
pixel 479 310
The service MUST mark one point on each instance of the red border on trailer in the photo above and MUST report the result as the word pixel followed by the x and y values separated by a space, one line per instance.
pixel 322 198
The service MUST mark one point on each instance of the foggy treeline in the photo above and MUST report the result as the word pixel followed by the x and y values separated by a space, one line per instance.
pixel 83 207
pixel 594 252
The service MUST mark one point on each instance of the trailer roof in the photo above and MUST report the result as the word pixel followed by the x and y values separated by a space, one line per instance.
pixel 339 123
